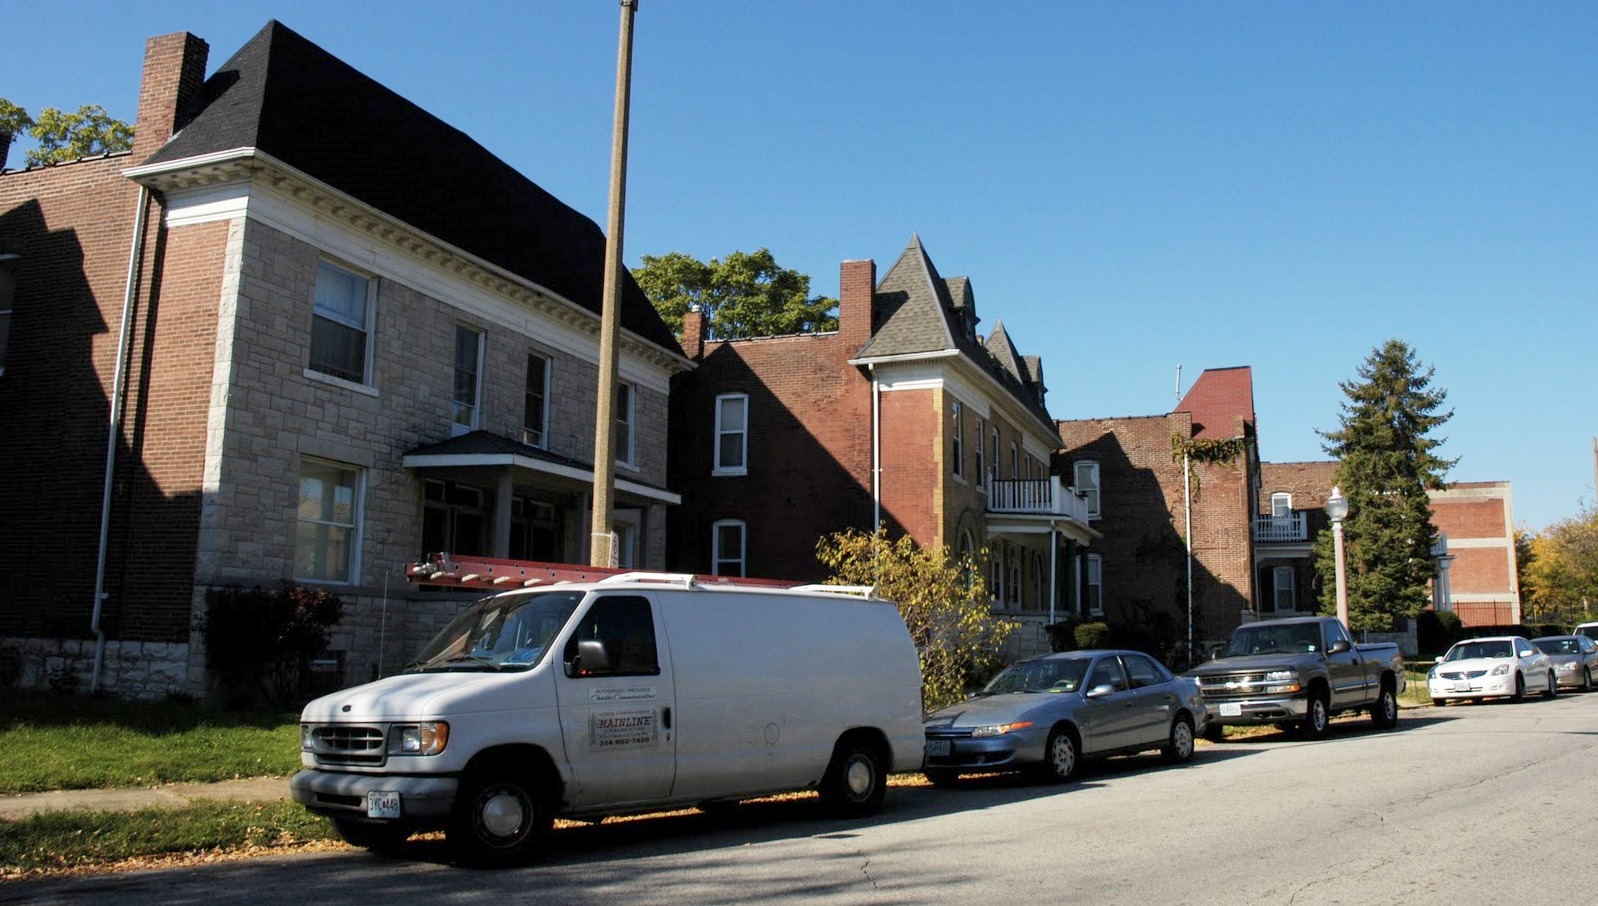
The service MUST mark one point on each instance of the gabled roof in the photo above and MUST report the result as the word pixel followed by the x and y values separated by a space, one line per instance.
pixel 1218 399
pixel 283 95
pixel 916 311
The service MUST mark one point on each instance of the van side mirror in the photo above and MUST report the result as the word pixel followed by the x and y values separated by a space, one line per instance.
pixel 591 659
pixel 1339 646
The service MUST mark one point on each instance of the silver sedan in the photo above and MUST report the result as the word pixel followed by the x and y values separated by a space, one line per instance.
pixel 1575 659
pixel 1045 714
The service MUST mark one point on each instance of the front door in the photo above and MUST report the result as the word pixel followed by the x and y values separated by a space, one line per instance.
pixel 616 710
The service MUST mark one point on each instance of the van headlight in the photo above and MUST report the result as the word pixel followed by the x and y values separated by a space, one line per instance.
pixel 426 738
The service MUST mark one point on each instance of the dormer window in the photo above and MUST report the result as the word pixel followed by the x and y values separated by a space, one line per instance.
pixel 1281 505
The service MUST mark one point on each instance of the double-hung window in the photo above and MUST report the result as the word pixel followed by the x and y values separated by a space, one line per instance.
pixel 624 423
pixel 341 323
pixel 732 435
pixel 327 531
pixel 982 465
pixel 1086 476
pixel 727 547
pixel 1281 505
pixel 468 386
pixel 957 432
pixel 1282 582
pixel 535 406
pixel 1095 585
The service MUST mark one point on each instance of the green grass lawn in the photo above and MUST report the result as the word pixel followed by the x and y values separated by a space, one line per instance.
pixel 72 743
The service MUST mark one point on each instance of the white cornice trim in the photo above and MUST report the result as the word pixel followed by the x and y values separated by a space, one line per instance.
pixel 224 184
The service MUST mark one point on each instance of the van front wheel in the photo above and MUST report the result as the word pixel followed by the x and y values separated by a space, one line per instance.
pixel 856 780
pixel 499 819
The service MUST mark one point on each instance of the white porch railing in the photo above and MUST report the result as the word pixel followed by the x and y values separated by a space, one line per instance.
pixel 1270 529
pixel 1036 496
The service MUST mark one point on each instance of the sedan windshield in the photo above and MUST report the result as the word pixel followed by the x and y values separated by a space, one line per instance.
pixel 499 633
pixel 1047 675
pixel 1465 651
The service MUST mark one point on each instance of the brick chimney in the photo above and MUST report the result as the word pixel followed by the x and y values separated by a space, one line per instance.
pixel 857 287
pixel 693 333
pixel 174 72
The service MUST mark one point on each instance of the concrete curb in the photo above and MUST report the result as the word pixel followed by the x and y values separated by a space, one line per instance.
pixel 174 795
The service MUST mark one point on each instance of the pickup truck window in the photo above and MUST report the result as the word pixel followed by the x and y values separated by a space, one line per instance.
pixel 1269 638
pixel 1335 633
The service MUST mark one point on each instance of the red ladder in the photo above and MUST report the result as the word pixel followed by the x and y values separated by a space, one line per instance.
pixel 458 571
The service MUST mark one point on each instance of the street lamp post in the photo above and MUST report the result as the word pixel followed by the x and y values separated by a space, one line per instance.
pixel 1337 511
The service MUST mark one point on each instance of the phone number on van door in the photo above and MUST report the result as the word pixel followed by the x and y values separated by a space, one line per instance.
pixel 630 727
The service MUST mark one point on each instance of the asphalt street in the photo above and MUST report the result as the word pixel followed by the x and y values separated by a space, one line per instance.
pixel 1459 805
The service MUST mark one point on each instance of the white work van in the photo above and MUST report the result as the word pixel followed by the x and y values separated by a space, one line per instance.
pixel 625 695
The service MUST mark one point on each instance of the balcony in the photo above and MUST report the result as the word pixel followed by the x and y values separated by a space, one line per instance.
pixel 1036 497
pixel 1280 529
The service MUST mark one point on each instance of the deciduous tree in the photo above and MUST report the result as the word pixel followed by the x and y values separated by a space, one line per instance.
pixel 1387 462
pixel 744 295
pixel 66 136
pixel 1560 578
pixel 944 602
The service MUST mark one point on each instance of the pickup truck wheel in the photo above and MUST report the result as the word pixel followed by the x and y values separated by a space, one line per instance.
pixel 383 839
pixel 1553 686
pixel 856 780
pixel 1316 716
pixel 1520 689
pixel 1384 714
pixel 1059 756
pixel 1179 748
pixel 499 819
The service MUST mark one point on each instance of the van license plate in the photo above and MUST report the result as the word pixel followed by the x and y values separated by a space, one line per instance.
pixel 1231 709
pixel 382 804
pixel 939 747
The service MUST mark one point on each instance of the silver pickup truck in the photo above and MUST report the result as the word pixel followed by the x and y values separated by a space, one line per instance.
pixel 1298 673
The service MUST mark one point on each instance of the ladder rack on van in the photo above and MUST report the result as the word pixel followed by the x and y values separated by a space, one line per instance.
pixel 493 573
pixel 861 591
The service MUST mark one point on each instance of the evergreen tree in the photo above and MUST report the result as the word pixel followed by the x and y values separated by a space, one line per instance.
pixel 1386 463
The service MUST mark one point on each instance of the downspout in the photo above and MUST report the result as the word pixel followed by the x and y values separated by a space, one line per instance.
pixel 114 432
pixel 1187 509
pixel 876 450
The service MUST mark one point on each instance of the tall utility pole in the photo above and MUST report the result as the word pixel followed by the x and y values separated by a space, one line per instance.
pixel 600 551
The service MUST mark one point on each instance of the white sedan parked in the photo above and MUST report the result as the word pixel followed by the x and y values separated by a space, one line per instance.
pixel 1499 667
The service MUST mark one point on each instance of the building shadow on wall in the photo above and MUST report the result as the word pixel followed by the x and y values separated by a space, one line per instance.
pixel 55 395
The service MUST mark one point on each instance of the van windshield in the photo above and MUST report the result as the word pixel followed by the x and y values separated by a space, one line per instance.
pixel 505 632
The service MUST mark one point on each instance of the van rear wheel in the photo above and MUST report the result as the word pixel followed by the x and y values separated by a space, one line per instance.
pixel 499 819
pixel 856 781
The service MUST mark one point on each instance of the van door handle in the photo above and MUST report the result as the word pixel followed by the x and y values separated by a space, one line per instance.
pixel 665 718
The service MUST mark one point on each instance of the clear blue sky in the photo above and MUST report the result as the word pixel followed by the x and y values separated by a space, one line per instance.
pixel 1129 186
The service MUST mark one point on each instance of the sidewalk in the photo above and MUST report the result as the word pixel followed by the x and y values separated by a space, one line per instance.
pixel 176 795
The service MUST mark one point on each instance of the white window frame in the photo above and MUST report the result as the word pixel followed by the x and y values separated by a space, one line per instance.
pixel 538 437
pixel 626 408
pixel 352 566
pixel 1281 505
pixel 1094 576
pixel 994 465
pixel 625 524
pixel 1015 460
pixel 466 415
pixel 718 467
pixel 957 412
pixel 982 464
pixel 366 327
pixel 1090 487
pixel 719 557
pixel 1278 586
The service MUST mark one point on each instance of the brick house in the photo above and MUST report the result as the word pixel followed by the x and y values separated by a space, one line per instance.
pixel 1146 580
pixel 1253 524
pixel 903 416
pixel 349 335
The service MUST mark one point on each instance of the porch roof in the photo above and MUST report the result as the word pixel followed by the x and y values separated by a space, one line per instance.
pixel 485 448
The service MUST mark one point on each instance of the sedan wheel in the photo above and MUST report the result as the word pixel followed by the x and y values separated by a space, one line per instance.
pixel 1553 686
pixel 1059 756
pixel 1520 689
pixel 1179 748
pixel 1586 679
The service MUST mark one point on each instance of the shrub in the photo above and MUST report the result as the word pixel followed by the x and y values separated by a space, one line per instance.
pixel 1092 635
pixel 257 640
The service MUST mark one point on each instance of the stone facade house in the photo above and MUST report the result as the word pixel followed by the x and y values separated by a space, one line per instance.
pixel 348 335
pixel 904 416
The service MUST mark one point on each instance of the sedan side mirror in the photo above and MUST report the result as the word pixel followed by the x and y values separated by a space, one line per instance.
pixel 1101 690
